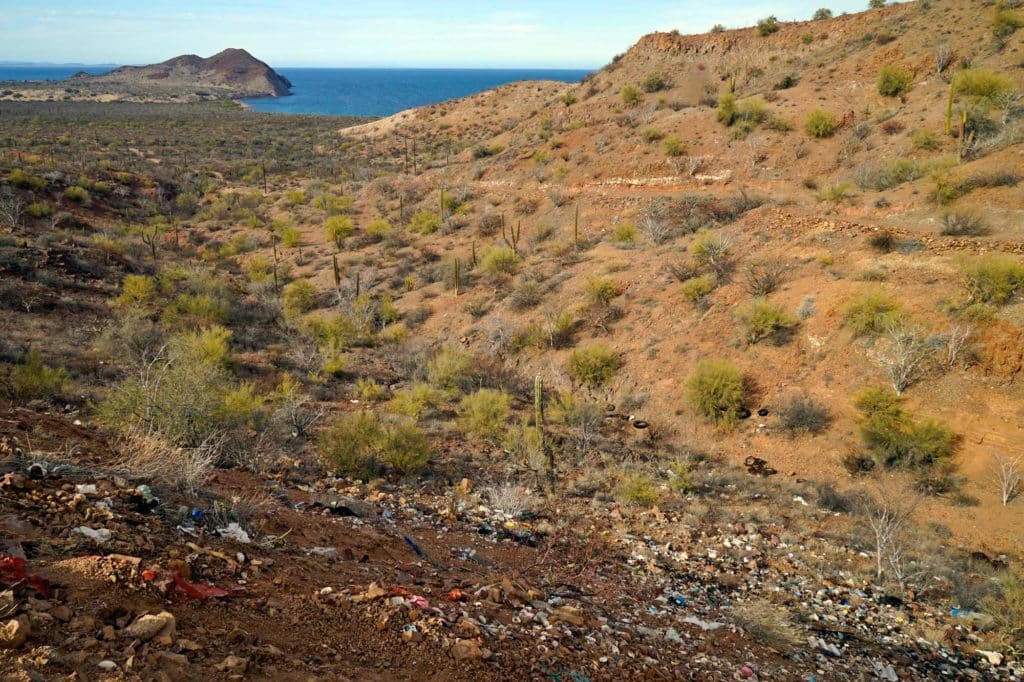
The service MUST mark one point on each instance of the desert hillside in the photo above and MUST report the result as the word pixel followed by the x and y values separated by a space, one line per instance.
pixel 707 367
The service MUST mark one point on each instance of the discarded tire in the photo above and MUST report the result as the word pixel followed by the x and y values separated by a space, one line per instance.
pixel 639 424
pixel 743 413
pixel 763 412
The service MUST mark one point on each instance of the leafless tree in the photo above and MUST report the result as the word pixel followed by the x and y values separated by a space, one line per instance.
pixel 655 228
pixel 11 208
pixel 1007 473
pixel 903 354
pixel 887 513
pixel 762 278
pixel 957 339
pixel 944 56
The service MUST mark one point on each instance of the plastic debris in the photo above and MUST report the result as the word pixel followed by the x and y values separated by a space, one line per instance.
pixel 326 552
pixel 885 672
pixel 415 547
pixel 703 624
pixel 234 532
pixel 86 489
pixel 97 535
pixel 419 602
pixel 12 572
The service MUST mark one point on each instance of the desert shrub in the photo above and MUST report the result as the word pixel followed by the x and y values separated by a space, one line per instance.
pixel 924 139
pixel 894 438
pixel 896 171
pixel 876 4
pixel 212 345
pixel 786 82
pixel 715 391
pixel 150 456
pixel 33 379
pixel 424 222
pixel 1006 606
pixel 767 26
pixel 987 86
pixel 801 413
pixel 963 223
pixel 632 96
pixel 39 209
pixel 894 81
pixel 653 135
pixel 601 290
pixel 496 260
pixel 625 234
pixel 483 414
pixel 871 312
pixel 637 489
pixel 358 442
pixel 594 365
pixel 761 319
pixel 654 82
pixel 882 241
pixel 79 195
pixel 727 109
pixel 820 123
pixel 1005 22
pixel 298 297
pixel 711 251
pixel 413 401
pixel 378 228
pixel 821 14
pixel 764 277
pixel 136 290
pixel 673 146
pixel 697 289
pixel 992 278
pixel 295 198
pixel 835 193
pixel 338 228
pixel 526 294
pixel 368 390
pixel 23 180
pixel 767 623
pixel 450 368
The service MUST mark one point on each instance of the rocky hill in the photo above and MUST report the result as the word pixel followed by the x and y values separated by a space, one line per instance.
pixel 234 72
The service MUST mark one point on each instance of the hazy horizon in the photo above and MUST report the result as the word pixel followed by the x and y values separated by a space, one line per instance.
pixel 389 34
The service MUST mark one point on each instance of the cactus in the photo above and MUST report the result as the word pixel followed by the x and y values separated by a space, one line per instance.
pixel 949 110
pixel 576 228
pixel 337 272
pixel 511 236
pixel 538 418
pixel 458 277
pixel 474 255
pixel 357 284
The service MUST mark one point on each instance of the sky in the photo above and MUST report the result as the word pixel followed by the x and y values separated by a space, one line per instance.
pixel 369 33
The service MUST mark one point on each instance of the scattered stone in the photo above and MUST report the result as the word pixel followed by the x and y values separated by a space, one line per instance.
pixel 14 633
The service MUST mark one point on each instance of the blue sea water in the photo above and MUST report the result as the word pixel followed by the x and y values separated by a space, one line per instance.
pixel 352 92
pixel 382 92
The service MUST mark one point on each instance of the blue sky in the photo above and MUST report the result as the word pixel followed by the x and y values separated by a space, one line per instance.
pixel 451 33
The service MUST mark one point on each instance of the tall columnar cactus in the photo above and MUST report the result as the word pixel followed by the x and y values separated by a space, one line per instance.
pixel 357 284
pixel 458 277
pixel 511 236
pixel 576 228
pixel 949 109
pixel 473 263
pixel 337 272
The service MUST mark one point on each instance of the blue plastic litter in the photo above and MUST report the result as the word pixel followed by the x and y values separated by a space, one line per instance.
pixel 415 548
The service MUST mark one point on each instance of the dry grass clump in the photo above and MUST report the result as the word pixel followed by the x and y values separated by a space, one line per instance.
pixel 147 455
pixel 769 624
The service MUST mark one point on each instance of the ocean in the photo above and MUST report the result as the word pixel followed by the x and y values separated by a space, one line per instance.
pixel 354 92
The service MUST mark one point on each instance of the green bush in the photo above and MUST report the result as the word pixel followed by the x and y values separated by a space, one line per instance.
pixel 820 123
pixel 594 365
pixel 298 297
pixel 992 278
pixel 483 414
pixel 32 379
pixel 637 489
pixel 767 26
pixel 892 436
pixel 894 81
pixel 761 319
pixel 674 146
pixel 499 260
pixel 368 390
pixel 425 222
pixel 136 290
pixel 924 139
pixel 653 135
pixel 413 401
pixel 871 312
pixel 715 391
pixel 727 109
pixel 836 193
pixel 987 86
pixel 601 290
pixel 21 179
pixel 358 442
pixel 450 368
pixel 625 234
pixel 39 209
pixel 290 236
pixel 338 228
pixel 79 195
pixel 1006 606
pixel 378 228
pixel 654 82
pixel 710 250
pixel 1005 22
pixel 697 289
pixel 823 13
pixel 632 96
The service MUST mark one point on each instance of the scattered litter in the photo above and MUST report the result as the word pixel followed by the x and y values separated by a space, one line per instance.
pixel 419 602
pixel 703 624
pixel 885 672
pixel 415 547
pixel 800 499
pixel 327 552
pixel 234 532
pixel 97 535
pixel 86 489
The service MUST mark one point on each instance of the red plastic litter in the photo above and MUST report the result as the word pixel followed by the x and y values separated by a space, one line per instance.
pixel 455 595
pixel 400 591
pixel 12 572
pixel 12 569
pixel 198 590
